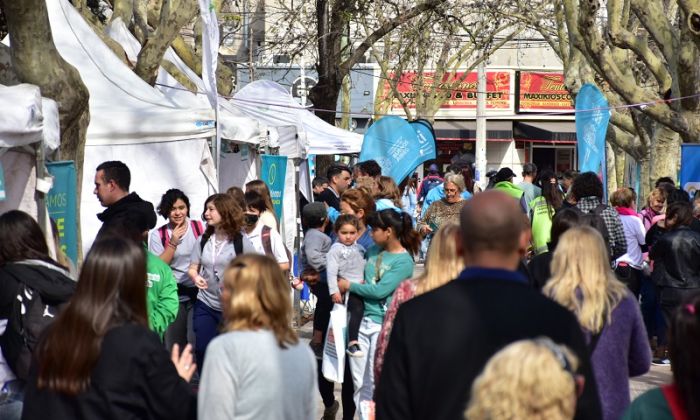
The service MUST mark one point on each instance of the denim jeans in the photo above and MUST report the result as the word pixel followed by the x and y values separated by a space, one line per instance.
pixel 11 400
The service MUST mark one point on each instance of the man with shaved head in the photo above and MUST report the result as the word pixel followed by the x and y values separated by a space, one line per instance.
pixel 441 340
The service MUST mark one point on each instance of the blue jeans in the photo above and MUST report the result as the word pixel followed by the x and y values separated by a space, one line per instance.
pixel 206 322
pixel 11 400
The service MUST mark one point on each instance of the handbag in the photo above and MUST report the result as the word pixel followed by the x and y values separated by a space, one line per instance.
pixel 333 361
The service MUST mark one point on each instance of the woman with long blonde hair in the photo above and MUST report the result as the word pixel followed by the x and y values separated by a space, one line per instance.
pixel 528 379
pixel 583 282
pixel 257 368
pixel 442 264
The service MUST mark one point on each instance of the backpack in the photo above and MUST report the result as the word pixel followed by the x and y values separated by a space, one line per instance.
pixel 598 222
pixel 267 246
pixel 237 243
pixel 427 185
pixel 29 317
pixel 196 226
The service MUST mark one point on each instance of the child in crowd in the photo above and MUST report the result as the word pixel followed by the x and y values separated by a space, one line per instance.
pixel 264 238
pixel 346 259
pixel 313 258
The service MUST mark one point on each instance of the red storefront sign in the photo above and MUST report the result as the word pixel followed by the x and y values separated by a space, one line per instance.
pixel 541 92
pixel 457 93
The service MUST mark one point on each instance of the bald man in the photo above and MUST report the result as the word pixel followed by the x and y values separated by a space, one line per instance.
pixel 442 339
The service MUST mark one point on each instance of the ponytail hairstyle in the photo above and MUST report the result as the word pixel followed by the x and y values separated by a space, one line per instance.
pixel 684 336
pixel 401 223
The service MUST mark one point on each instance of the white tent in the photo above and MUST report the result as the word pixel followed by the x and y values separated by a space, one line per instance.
pixel 274 106
pixel 298 132
pixel 27 119
pixel 164 145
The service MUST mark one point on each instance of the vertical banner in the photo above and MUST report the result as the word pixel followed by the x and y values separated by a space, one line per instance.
pixel 210 57
pixel 592 116
pixel 62 205
pixel 273 172
pixel 398 146
pixel 690 168
pixel 3 194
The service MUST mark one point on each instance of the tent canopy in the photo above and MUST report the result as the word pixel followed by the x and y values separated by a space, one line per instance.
pixel 274 106
pixel 234 125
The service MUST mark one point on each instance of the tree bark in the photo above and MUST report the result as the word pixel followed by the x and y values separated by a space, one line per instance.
pixel 36 60
pixel 665 155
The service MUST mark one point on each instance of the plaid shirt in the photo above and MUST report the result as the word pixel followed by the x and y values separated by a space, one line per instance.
pixel 616 233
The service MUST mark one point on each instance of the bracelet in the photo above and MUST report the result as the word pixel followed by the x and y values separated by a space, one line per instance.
pixel 172 245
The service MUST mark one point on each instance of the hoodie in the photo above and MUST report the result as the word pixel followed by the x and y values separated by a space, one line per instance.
pixel 53 283
pixel 132 207
pixel 513 191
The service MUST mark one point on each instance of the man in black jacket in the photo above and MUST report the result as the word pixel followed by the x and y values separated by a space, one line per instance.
pixel 112 181
pixel 442 339
pixel 339 178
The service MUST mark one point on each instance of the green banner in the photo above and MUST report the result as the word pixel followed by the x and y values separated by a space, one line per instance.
pixel 273 171
pixel 62 203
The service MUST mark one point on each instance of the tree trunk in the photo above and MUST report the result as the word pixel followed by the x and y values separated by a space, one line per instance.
pixel 645 182
pixel 36 60
pixel 345 105
pixel 665 155
pixel 611 163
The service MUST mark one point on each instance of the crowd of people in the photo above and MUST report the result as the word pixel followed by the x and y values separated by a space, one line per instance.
pixel 537 300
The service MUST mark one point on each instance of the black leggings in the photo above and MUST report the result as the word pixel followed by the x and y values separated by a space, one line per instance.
pixel 356 309
pixel 322 316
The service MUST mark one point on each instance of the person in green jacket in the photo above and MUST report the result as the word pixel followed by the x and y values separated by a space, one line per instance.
pixel 504 182
pixel 542 211
pixel 162 301
pixel 389 262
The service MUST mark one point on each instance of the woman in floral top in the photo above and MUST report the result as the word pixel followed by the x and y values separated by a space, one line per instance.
pixel 445 210
pixel 442 264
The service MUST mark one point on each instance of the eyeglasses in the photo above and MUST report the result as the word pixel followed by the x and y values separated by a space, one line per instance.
pixel 563 360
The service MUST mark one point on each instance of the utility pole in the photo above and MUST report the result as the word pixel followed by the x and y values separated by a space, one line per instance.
pixel 481 125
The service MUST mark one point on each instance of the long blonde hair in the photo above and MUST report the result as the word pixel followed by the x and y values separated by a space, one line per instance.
pixel 582 280
pixel 528 379
pixel 387 188
pixel 442 263
pixel 255 297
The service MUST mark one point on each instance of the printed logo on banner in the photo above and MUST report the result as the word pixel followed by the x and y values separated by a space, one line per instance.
pixel 690 168
pixel 390 141
pixel 273 171
pixel 62 205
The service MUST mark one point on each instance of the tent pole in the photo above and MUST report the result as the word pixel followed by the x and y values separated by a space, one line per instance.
pixel 217 146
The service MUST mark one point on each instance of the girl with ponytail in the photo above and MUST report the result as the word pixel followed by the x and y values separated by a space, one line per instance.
pixel 389 262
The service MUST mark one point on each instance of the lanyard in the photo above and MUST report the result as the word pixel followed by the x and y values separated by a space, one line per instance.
pixel 216 251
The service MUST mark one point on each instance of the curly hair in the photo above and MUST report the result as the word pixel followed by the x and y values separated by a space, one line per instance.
pixel 231 214
pixel 167 201
pixel 587 185
pixel 528 379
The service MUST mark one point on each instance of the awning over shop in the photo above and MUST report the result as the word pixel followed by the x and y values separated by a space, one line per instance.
pixel 545 131
pixel 461 130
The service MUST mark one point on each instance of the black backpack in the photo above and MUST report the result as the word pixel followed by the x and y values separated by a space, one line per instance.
pixel 595 220
pixel 29 317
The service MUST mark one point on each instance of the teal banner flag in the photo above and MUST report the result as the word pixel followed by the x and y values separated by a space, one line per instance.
pixel 62 203
pixel 592 116
pixel 273 171
pixel 690 168
pixel 3 194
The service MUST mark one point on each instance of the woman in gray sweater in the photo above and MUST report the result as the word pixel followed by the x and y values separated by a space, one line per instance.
pixel 258 369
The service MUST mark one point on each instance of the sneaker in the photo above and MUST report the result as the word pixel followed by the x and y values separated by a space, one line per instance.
pixel 317 348
pixel 355 351
pixel 661 361
pixel 330 412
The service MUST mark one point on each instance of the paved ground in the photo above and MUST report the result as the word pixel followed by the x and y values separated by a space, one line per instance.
pixel 657 375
